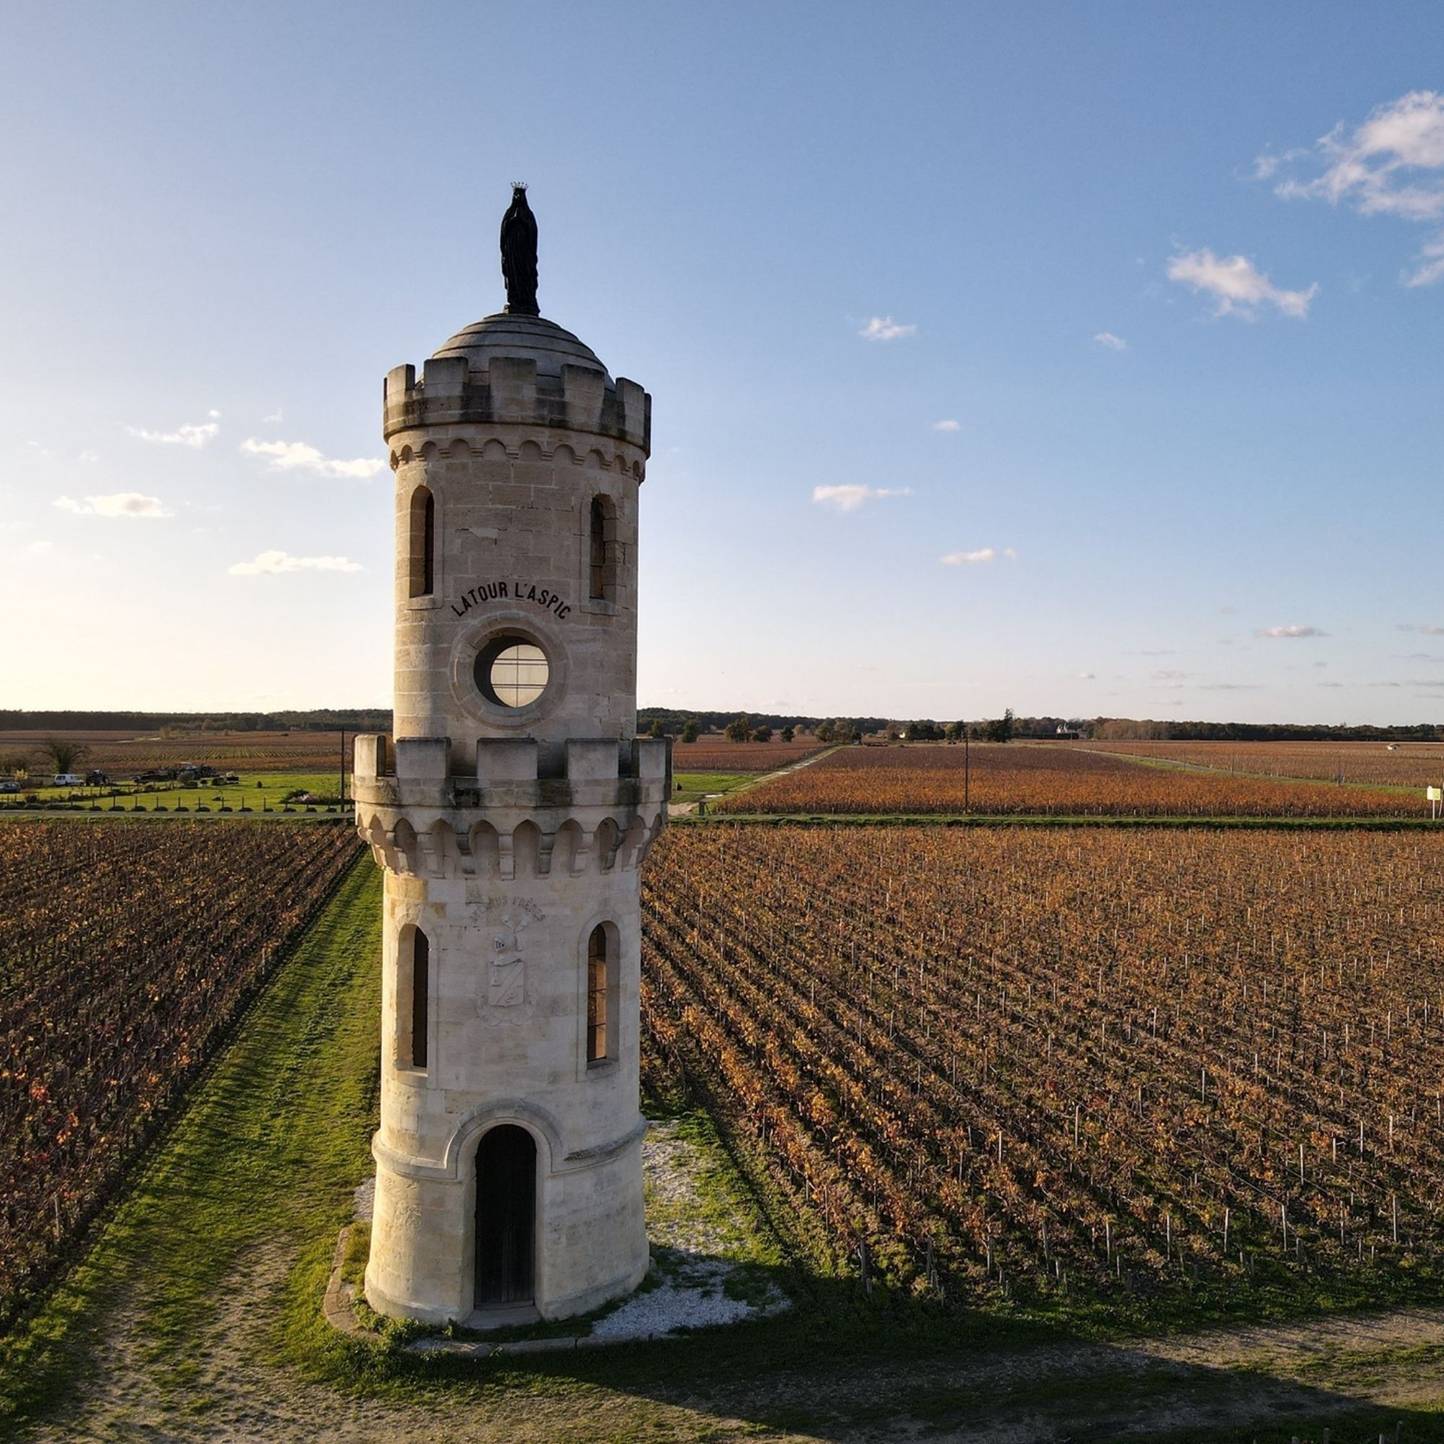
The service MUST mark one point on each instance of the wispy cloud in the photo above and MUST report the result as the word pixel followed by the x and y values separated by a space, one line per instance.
pixel 1111 342
pixel 1292 632
pixel 1237 286
pixel 194 434
pixel 301 456
pixel 980 557
pixel 948 425
pixel 849 498
pixel 117 504
pixel 884 328
pixel 278 563
pixel 1391 164
pixel 275 418
pixel 1424 628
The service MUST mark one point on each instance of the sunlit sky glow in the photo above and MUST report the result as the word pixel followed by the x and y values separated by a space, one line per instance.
pixel 1083 359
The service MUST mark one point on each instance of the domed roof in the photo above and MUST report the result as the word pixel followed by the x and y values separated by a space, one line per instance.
pixel 530 337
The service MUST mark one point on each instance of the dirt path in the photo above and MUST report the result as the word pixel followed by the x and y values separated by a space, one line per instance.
pixel 228 1391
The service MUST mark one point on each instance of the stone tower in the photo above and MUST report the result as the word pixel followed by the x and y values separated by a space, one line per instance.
pixel 510 813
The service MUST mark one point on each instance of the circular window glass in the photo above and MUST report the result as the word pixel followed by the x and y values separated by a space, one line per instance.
pixel 512 672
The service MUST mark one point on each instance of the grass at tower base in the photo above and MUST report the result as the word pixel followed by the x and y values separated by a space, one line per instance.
pixel 128 951
pixel 1139 1076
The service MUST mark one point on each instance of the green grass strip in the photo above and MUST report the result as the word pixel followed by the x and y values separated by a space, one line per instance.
pixel 266 1153
pixel 1043 819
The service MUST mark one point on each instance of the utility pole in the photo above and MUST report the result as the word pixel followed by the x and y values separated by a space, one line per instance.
pixel 343 767
pixel 967 769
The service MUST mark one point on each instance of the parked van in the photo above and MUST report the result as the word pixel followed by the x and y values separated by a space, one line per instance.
pixel 67 779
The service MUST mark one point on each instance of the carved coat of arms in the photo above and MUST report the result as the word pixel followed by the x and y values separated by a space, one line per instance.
pixel 506 981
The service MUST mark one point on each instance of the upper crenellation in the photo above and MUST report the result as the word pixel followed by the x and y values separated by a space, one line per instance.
pixel 521 371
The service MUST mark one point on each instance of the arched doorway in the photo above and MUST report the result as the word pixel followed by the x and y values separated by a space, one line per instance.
pixel 505 1217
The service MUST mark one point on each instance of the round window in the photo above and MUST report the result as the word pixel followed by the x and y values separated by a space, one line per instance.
pixel 512 672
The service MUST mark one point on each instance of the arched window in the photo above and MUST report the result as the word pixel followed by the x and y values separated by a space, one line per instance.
pixel 422 560
pixel 413 991
pixel 603 550
pixel 598 988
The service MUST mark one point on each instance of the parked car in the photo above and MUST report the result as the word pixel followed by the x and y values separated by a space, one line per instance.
pixel 9 784
pixel 96 778
pixel 67 779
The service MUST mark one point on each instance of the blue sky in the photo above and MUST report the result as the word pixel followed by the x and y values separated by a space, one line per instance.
pixel 1172 277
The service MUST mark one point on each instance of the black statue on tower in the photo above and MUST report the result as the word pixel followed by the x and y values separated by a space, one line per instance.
pixel 518 254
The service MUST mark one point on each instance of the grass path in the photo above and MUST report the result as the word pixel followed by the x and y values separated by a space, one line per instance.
pixel 265 1154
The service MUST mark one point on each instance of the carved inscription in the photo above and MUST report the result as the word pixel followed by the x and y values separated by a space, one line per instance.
pixel 513 591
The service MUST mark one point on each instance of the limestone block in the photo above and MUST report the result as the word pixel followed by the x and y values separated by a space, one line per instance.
pixel 421 759
pixel 444 378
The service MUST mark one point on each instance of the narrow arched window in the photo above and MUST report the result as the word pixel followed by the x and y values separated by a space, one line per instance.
pixel 420 988
pixel 413 992
pixel 599 550
pixel 597 990
pixel 604 551
pixel 422 559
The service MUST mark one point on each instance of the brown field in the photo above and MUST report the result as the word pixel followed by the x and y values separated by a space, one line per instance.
pixel 125 951
pixel 1071 1063
pixel 717 754
pixel 1409 764
pixel 123 754
pixel 1017 778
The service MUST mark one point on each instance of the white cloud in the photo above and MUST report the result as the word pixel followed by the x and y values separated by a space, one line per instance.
pixel 948 425
pixel 276 563
pixel 275 418
pixel 117 504
pixel 1429 265
pixel 194 434
pixel 40 547
pixel 849 498
pixel 1377 167
pixel 88 458
pixel 1237 286
pixel 1424 627
pixel 1112 342
pixel 1087 676
pixel 978 557
pixel 300 456
pixel 1290 633
pixel 884 328
pixel 1390 165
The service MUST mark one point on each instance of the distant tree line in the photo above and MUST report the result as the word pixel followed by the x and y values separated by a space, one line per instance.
pixel 1128 729
pixel 318 719
pixel 674 720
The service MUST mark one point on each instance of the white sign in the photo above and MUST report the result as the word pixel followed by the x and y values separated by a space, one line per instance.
pixel 1434 794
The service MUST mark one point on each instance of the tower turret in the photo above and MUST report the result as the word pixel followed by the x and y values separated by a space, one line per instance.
pixel 510 811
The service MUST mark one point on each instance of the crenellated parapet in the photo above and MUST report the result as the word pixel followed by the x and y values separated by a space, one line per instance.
pixel 516 391
pixel 603 811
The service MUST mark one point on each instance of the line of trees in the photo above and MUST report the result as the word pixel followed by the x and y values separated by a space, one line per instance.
pixel 317 719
